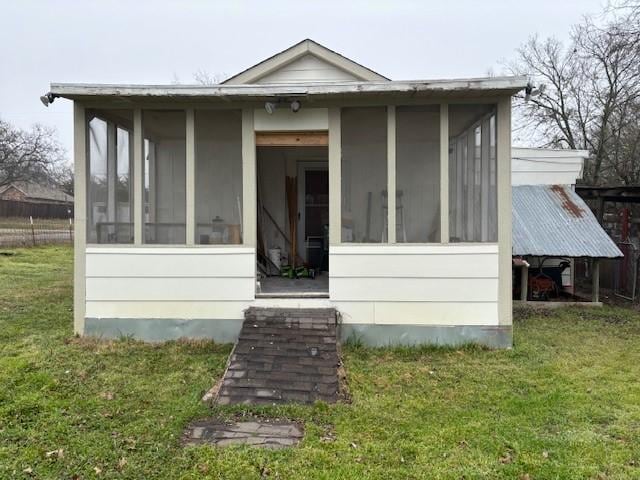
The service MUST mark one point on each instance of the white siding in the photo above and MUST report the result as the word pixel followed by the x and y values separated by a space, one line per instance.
pixel 416 284
pixel 307 68
pixel 284 119
pixel 164 282
pixel 546 166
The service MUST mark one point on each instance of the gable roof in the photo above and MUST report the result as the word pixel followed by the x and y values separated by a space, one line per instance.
pixel 35 191
pixel 297 51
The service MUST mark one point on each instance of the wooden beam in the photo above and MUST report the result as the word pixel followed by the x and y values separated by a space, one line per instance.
pixel 292 139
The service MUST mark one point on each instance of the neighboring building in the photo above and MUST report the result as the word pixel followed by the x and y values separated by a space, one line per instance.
pixel 315 154
pixel 35 193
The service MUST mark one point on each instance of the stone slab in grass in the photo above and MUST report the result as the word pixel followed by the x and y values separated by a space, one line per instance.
pixel 257 433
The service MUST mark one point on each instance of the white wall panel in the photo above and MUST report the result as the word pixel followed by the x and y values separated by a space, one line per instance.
pixel 415 284
pixel 170 309
pixel 414 289
pixel 169 282
pixel 226 263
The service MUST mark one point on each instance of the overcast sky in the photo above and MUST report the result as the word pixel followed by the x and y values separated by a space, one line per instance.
pixel 159 41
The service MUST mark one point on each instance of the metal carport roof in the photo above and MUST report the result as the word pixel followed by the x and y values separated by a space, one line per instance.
pixel 552 220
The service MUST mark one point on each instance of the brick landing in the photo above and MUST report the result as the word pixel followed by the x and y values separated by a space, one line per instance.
pixel 283 356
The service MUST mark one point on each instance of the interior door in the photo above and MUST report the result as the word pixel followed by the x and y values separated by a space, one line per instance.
pixel 313 213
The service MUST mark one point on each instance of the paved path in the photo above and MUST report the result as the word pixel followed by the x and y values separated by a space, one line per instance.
pixel 283 356
pixel 256 433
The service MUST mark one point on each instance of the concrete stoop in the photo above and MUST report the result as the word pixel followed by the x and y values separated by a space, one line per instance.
pixel 283 355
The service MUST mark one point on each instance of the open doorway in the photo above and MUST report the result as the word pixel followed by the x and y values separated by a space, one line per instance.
pixel 293 221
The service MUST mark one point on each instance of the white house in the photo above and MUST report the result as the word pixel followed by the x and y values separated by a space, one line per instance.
pixel 313 153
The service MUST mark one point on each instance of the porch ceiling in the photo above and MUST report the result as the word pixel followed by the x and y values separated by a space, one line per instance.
pixel 330 91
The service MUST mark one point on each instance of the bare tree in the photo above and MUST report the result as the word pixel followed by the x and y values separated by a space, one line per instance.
pixel 28 155
pixel 591 96
pixel 206 78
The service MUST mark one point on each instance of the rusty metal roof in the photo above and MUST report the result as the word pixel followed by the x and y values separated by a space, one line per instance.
pixel 552 220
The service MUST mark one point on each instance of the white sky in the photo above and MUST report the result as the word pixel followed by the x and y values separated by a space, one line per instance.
pixel 142 41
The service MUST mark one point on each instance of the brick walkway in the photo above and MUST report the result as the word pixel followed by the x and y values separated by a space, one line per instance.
pixel 283 356
pixel 255 433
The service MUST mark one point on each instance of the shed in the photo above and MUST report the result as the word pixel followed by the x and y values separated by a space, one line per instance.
pixel 553 221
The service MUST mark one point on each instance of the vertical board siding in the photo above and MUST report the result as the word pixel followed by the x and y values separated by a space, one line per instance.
pixel 415 285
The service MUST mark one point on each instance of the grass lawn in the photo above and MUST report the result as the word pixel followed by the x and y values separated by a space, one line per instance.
pixel 564 403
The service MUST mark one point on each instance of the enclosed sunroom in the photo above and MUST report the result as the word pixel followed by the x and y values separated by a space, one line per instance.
pixel 305 181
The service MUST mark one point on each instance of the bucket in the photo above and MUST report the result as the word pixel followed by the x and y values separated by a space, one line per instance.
pixel 275 257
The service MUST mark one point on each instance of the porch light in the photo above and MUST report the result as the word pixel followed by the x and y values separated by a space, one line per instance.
pixel 270 107
pixel 296 106
pixel 47 98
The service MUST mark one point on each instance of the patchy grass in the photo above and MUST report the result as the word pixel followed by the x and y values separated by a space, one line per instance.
pixel 564 403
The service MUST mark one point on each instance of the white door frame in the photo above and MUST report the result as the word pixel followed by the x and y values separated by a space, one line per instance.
pixel 302 167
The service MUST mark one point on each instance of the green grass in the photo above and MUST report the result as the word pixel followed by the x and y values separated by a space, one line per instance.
pixel 564 403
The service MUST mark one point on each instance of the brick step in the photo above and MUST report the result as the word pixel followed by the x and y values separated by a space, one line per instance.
pixel 283 355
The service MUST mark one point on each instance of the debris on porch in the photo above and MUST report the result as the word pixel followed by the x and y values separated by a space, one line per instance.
pixel 283 356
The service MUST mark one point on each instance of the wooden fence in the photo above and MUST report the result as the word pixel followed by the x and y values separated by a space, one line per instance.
pixel 16 209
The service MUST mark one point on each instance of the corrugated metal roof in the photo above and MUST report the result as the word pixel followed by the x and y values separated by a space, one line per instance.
pixel 552 220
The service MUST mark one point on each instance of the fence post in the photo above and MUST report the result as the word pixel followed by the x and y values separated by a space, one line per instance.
pixel 70 226
pixel 33 232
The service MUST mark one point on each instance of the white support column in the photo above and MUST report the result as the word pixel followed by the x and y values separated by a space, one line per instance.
pixel 444 173
pixel 112 167
pixel 485 179
pixel 391 174
pixel 249 182
pixel 138 178
pixel 503 144
pixel 335 175
pixel 80 217
pixel 191 178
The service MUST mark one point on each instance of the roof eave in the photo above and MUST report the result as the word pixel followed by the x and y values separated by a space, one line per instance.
pixel 481 86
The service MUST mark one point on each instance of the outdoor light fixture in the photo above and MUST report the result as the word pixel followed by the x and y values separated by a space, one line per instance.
pixel 531 91
pixel 47 98
pixel 270 107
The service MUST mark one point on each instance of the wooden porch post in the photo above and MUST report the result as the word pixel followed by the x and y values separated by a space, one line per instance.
pixel 190 220
pixel 138 178
pixel 249 181
pixel 335 165
pixel 524 282
pixel 444 173
pixel 80 216
pixel 595 280
pixel 503 143
pixel 391 174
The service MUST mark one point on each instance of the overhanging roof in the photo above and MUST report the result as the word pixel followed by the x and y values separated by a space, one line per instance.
pixel 226 92
pixel 552 220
